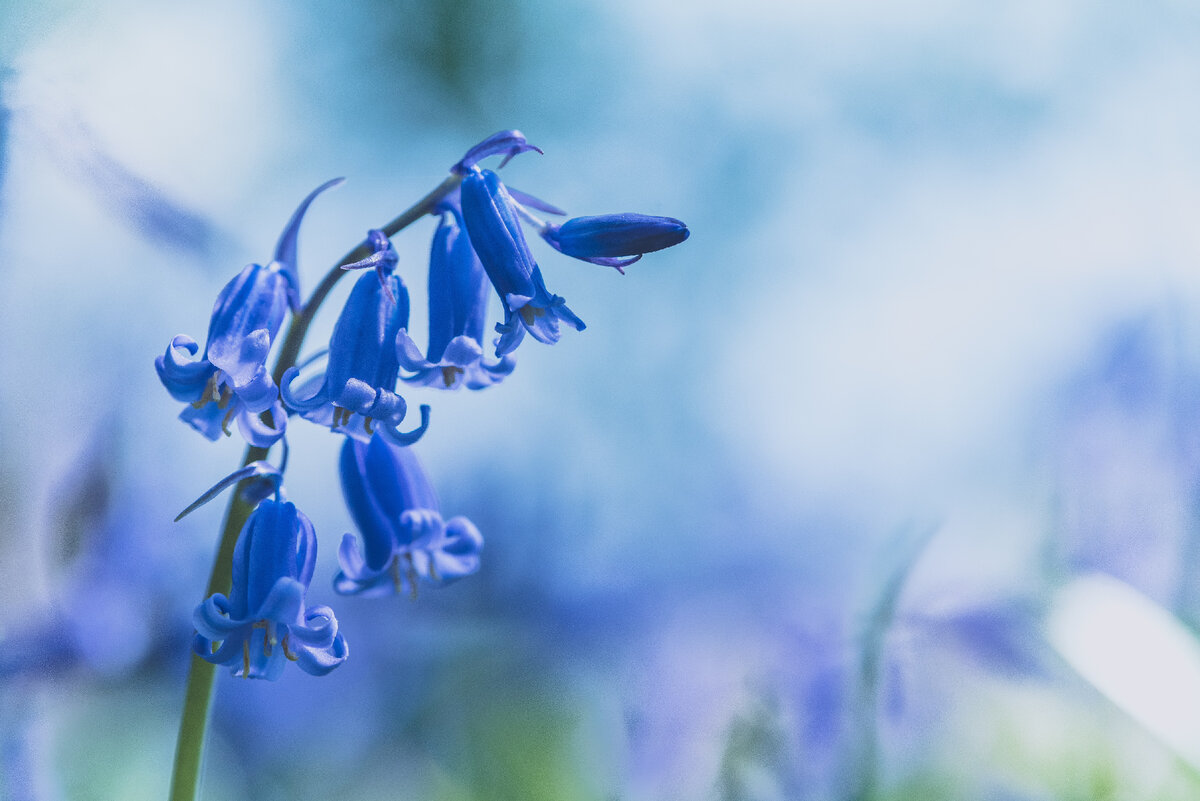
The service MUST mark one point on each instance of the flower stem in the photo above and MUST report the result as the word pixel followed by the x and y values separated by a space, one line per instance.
pixel 197 704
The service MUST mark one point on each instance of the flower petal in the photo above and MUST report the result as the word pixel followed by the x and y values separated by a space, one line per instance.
pixel 397 437
pixel 284 603
pixel 211 618
pixel 186 380
pixel 318 628
pixel 210 418
pixel 370 517
pixel 320 661
pixel 509 143
pixel 319 398
pixel 458 554
pixel 245 319
pixel 258 433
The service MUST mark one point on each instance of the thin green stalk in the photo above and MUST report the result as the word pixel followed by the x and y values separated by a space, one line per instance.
pixel 899 559
pixel 197 703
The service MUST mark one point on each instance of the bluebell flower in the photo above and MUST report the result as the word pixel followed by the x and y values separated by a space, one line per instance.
pixel 357 391
pixel 458 299
pixel 231 381
pixel 495 232
pixel 265 623
pixel 614 240
pixel 404 536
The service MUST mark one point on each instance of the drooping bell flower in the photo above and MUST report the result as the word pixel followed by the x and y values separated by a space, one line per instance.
pixel 230 380
pixel 357 392
pixel 495 232
pixel 614 240
pixel 458 299
pixel 264 622
pixel 404 538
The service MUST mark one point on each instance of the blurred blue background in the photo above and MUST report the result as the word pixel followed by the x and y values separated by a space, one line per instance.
pixel 785 522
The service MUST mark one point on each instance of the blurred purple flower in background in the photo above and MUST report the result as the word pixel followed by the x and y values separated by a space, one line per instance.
pixel 1127 461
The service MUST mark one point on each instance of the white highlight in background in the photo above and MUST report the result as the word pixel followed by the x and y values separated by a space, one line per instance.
pixel 1136 653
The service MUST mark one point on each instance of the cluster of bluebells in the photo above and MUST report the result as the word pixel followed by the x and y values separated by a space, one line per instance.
pixel 479 247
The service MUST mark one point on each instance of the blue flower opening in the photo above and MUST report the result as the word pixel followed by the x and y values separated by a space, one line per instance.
pixel 458 299
pixel 357 392
pixel 404 537
pixel 230 380
pixel 495 233
pixel 264 622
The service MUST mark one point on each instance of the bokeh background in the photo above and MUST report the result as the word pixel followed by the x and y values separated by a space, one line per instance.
pixel 792 519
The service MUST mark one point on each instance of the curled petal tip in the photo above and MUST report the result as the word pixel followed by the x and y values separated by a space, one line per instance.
pixel 507 143
pixel 517 151
pixel 409 437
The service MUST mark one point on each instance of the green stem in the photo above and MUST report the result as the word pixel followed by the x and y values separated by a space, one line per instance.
pixel 197 704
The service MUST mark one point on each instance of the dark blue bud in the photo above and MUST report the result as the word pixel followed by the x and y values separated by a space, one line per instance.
pixel 609 238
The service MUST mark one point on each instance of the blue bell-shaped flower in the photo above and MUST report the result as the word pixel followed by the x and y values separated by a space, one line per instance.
pixel 357 391
pixel 458 299
pixel 405 539
pixel 231 381
pixel 495 233
pixel 264 622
